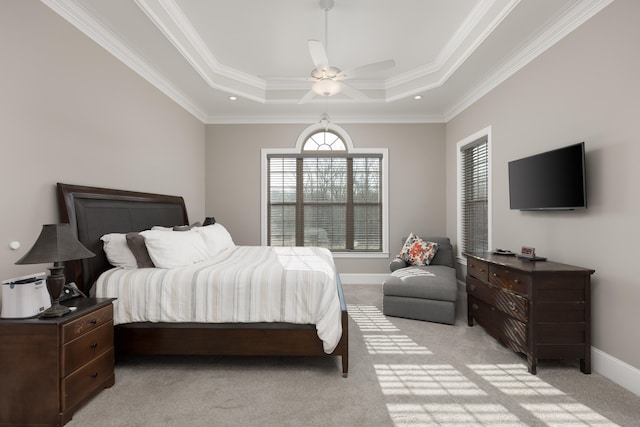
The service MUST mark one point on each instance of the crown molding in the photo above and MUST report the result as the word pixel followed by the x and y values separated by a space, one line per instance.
pixel 571 19
pixel 167 16
pixel 80 18
pixel 308 119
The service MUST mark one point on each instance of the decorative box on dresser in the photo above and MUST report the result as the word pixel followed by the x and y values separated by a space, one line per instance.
pixel 50 367
pixel 539 308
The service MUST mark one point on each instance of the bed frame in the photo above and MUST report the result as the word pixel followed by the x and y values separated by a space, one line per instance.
pixel 93 212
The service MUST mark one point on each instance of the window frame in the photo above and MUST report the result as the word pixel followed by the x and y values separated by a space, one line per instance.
pixel 298 150
pixel 460 147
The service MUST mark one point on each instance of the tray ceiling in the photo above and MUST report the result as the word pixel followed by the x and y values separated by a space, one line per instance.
pixel 201 53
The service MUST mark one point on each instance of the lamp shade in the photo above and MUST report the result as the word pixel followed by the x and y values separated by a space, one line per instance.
pixel 56 243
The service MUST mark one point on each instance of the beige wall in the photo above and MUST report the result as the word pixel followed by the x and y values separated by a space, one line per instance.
pixel 585 88
pixel 70 112
pixel 416 183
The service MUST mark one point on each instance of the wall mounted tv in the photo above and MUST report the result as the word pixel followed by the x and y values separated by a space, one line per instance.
pixel 553 180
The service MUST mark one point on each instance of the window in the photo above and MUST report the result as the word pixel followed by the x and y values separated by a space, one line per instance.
pixel 473 193
pixel 325 193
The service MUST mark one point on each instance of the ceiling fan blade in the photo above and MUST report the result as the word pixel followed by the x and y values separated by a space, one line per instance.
pixel 352 92
pixel 364 70
pixel 307 97
pixel 318 55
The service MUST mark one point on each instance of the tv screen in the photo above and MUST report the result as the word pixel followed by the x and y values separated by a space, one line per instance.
pixel 553 180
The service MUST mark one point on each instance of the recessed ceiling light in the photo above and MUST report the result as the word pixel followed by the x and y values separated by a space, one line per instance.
pixel 417 97
pixel 233 98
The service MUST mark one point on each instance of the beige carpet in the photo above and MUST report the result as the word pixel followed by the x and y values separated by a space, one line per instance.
pixel 402 372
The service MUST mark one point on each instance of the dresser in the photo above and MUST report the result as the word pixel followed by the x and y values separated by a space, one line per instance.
pixel 539 308
pixel 50 367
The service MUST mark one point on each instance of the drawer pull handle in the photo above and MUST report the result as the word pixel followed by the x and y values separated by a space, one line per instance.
pixel 472 287
pixel 512 305
pixel 94 375
pixel 93 321
pixel 516 281
pixel 474 306
pixel 495 274
pixel 94 345
pixel 482 270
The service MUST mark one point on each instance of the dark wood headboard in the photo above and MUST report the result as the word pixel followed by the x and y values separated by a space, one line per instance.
pixel 94 212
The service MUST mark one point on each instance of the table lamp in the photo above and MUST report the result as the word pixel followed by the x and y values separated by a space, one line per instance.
pixel 56 244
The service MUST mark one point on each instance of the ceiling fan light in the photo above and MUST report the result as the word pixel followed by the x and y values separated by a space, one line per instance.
pixel 326 87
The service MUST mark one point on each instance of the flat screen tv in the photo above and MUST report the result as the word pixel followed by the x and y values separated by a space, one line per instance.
pixel 553 180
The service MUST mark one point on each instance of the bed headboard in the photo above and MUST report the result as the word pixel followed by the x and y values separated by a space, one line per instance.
pixel 93 212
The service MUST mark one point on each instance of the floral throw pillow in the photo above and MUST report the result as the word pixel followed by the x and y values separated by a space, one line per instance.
pixel 417 251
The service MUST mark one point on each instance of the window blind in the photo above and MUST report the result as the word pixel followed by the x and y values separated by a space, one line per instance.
pixel 475 175
pixel 332 201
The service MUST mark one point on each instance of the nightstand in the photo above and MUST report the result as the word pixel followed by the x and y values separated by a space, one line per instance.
pixel 49 368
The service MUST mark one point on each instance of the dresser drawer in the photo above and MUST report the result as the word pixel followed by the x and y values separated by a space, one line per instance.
pixel 86 379
pixel 511 332
pixel 478 269
pixel 87 323
pixel 507 302
pixel 87 347
pixel 507 278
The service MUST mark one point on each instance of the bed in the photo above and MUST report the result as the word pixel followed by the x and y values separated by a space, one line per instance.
pixel 93 212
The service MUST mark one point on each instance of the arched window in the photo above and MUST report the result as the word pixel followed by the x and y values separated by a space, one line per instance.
pixel 324 140
pixel 325 193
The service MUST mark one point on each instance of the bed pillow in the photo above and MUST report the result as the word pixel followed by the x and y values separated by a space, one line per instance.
pixel 417 251
pixel 174 249
pixel 215 237
pixel 135 242
pixel 117 251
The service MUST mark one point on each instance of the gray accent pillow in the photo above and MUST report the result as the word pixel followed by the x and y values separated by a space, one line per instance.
pixel 135 241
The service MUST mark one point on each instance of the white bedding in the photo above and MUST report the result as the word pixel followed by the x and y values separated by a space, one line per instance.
pixel 239 284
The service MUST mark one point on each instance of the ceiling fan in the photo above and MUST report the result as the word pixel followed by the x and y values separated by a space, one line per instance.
pixel 329 80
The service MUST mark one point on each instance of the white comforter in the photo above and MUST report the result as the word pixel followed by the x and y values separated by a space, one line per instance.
pixel 239 284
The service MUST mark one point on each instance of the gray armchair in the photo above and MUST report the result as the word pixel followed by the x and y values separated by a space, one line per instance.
pixel 423 292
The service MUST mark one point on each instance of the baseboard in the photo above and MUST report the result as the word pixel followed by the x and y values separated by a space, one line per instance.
pixel 616 370
pixel 362 279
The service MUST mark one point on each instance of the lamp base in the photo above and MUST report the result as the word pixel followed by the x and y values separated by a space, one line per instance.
pixel 55 283
pixel 56 310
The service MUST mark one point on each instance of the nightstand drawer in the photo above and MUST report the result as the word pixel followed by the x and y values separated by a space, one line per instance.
pixel 507 302
pixel 91 376
pixel 87 323
pixel 506 278
pixel 88 346
pixel 478 269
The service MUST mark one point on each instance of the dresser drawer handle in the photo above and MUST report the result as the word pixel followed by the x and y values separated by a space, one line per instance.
pixel 93 321
pixel 474 306
pixel 94 345
pixel 512 305
pixel 482 270
pixel 516 281
pixel 472 287
pixel 94 375
pixel 495 274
